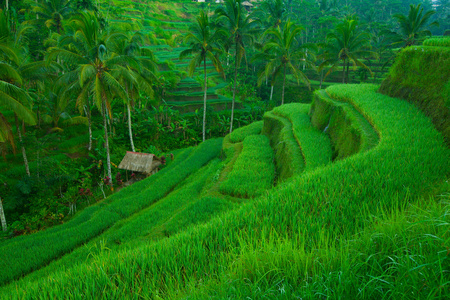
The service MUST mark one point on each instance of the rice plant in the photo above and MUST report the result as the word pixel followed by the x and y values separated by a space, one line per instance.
pixel 253 172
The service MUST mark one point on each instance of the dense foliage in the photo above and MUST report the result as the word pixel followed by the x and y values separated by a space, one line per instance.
pixel 315 198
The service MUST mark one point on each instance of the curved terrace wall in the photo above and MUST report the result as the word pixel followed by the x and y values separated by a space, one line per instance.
pixel 421 75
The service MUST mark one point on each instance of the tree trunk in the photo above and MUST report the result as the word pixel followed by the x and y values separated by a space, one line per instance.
pixel 88 115
pixel 24 153
pixel 7 5
pixel 284 83
pixel 321 79
pixel 348 67
pixel 204 97
pixel 2 216
pixel 108 159
pixel 129 127
pixel 234 91
pixel 343 72
pixel 271 92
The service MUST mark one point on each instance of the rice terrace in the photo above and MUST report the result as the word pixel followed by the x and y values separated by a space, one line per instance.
pixel 225 149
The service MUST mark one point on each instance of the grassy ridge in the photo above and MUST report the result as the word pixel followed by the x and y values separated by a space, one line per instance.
pixel 145 221
pixel 315 145
pixel 31 252
pixel 347 128
pixel 403 256
pixel 288 156
pixel 410 78
pixel 437 41
pixel 253 172
pixel 241 133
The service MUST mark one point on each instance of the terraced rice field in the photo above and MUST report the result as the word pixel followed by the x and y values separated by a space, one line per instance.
pixel 226 220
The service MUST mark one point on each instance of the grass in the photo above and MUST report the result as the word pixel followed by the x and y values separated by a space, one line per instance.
pixel 437 41
pixel 241 133
pixel 288 156
pixel 315 145
pixel 349 131
pixel 410 78
pixel 344 229
pixel 253 172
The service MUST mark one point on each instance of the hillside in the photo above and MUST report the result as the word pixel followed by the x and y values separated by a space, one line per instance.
pixel 343 196
pixel 205 227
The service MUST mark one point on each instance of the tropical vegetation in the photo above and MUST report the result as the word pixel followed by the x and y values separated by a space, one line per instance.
pixel 299 149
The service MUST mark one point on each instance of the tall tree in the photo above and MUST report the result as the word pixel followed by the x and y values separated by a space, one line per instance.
pixel 52 13
pixel 412 27
pixel 12 96
pixel 89 51
pixel 282 54
pixel 272 13
pixel 136 70
pixel 240 26
pixel 344 46
pixel 203 44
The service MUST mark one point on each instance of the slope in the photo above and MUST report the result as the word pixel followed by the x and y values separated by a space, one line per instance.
pixel 300 238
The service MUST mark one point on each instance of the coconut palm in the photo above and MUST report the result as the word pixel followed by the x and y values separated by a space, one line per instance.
pixel 240 27
pixel 52 13
pixel 136 71
pixel 203 39
pixel 282 54
pixel 413 26
pixel 93 76
pixel 346 45
pixel 272 12
pixel 12 96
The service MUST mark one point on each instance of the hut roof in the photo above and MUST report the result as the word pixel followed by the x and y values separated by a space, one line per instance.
pixel 246 3
pixel 139 162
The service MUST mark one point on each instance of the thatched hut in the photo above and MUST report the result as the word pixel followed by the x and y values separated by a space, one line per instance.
pixel 140 162
pixel 247 5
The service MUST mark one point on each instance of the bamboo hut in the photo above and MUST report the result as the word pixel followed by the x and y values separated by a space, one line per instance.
pixel 247 5
pixel 140 162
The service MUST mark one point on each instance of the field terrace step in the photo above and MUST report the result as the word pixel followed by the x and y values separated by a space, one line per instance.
pixel 314 144
pixel 219 104
pixel 349 131
pixel 289 159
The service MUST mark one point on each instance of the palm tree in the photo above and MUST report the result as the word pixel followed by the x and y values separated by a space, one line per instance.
pixel 346 45
pixel 413 26
pixel 240 27
pixel 57 107
pixel 136 71
pixel 203 39
pixel 52 13
pixel 272 13
pixel 89 51
pixel 281 55
pixel 12 97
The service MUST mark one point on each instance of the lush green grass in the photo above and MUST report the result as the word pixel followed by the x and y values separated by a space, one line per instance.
pixel 349 131
pixel 253 172
pixel 288 156
pixel 241 133
pixel 31 252
pixel 340 231
pixel 437 41
pixel 314 144
pixel 167 208
pixel 410 78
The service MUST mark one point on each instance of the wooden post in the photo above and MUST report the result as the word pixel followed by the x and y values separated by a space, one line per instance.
pixel 2 216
